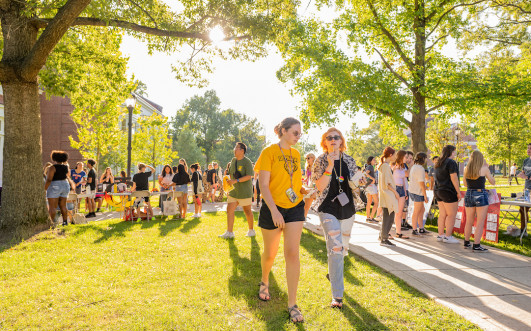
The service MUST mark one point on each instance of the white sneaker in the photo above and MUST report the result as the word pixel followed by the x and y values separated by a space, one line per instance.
pixel 250 233
pixel 227 235
pixel 450 240
pixel 440 238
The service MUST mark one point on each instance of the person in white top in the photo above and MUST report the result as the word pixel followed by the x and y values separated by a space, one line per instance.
pixel 165 184
pixel 417 192
pixel 512 174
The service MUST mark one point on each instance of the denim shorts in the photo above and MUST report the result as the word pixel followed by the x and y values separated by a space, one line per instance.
pixel 475 198
pixel 182 188
pixel 371 189
pixel 58 188
pixel 527 195
pixel 416 198
pixel 400 190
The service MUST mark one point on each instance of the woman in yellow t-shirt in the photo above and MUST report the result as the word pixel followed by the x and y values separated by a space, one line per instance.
pixel 280 178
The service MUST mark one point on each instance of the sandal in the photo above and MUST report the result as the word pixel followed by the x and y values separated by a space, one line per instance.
pixel 390 237
pixel 337 303
pixel 263 292
pixel 294 313
pixel 401 236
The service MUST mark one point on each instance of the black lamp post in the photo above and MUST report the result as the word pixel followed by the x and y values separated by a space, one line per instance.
pixel 130 104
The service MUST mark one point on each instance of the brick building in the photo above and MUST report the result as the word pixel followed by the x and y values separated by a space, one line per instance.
pixel 57 126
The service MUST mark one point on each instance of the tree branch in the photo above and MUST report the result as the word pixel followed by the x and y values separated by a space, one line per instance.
pixel 145 12
pixel 54 31
pixel 392 39
pixel 435 42
pixel 93 21
pixel 449 11
pixel 434 12
pixel 498 4
pixel 386 113
pixel 397 75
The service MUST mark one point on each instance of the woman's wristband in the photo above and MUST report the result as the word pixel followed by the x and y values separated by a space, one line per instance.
pixel 327 173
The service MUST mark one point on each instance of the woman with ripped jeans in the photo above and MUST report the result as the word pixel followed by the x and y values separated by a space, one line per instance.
pixel 335 205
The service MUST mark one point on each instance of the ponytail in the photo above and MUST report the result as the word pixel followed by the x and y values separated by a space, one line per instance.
pixel 387 152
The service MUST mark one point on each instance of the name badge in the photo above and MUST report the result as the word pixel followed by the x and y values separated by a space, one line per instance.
pixel 291 195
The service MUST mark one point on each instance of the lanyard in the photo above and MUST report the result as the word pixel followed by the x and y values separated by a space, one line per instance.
pixel 290 164
pixel 339 178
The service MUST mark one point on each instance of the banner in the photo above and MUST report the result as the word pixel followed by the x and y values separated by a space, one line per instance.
pixel 490 230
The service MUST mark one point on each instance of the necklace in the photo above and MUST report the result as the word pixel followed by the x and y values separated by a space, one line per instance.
pixel 339 177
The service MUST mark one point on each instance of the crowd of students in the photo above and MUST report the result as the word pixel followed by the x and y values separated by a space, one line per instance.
pixel 328 187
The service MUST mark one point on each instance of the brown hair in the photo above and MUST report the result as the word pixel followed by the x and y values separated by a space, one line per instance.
pixel 141 166
pixel 342 147
pixel 420 158
pixel 387 152
pixel 400 159
pixel 446 153
pixel 286 124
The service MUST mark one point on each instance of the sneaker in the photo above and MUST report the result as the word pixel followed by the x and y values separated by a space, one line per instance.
pixel 227 235
pixel 89 215
pixel 378 218
pixel 479 249
pixel 450 240
pixel 97 210
pixel 467 244
pixel 65 223
pixel 250 233
pixel 423 231
pixel 386 242
pixel 415 233
pixel 440 238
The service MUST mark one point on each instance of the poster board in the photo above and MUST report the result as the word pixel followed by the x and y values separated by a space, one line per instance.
pixel 490 230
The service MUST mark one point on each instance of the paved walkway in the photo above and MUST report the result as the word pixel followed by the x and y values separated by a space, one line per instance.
pixel 492 290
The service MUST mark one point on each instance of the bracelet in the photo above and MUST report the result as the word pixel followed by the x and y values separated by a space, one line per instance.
pixel 327 173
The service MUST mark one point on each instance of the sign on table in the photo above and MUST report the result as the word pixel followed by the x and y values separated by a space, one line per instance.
pixel 490 231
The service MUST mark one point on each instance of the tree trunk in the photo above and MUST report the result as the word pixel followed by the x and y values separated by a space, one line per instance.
pixel 418 119
pixel 23 197
pixel 418 125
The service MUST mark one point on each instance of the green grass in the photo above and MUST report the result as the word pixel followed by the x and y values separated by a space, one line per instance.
pixel 176 274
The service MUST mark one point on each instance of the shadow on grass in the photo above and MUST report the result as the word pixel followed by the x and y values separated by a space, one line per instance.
pixel 168 225
pixel 113 230
pixel 357 316
pixel 316 246
pixel 243 283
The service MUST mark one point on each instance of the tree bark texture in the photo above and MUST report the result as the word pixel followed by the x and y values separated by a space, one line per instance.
pixel 23 198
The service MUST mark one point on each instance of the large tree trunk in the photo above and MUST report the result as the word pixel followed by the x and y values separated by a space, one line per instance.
pixel 23 197
pixel 418 124
pixel 418 119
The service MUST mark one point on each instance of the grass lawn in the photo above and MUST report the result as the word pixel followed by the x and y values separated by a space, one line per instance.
pixel 176 274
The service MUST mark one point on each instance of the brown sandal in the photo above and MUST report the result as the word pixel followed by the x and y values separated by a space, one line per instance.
pixel 401 236
pixel 294 313
pixel 263 292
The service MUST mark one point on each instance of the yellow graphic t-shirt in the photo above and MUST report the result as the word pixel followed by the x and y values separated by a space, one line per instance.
pixel 271 160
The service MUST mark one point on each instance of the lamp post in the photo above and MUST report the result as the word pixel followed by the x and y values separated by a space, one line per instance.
pixel 130 104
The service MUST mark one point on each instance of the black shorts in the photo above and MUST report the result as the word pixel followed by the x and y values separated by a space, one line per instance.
pixel 446 196
pixel 294 214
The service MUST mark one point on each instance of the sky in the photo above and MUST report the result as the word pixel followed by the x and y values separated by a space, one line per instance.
pixel 247 87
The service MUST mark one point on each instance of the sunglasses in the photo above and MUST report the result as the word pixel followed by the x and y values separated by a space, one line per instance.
pixel 296 133
pixel 330 138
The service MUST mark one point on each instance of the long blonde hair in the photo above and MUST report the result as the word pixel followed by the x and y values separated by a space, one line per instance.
pixel 473 168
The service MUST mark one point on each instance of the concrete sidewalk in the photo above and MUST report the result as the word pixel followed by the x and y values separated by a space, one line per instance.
pixel 492 290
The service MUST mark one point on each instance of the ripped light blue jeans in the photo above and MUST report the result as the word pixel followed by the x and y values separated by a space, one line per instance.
pixel 337 235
